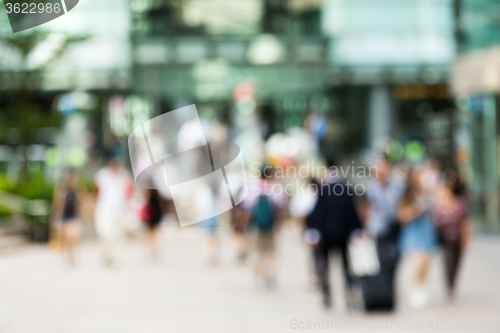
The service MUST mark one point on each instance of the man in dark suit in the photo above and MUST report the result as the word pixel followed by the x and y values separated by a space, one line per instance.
pixel 332 220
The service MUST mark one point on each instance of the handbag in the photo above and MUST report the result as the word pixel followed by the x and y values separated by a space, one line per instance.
pixel 146 213
pixel 363 257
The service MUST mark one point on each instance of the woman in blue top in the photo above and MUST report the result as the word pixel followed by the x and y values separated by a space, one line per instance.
pixel 418 232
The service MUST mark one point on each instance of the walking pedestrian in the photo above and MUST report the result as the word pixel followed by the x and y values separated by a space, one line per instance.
pixel 264 206
pixel 151 216
pixel 113 186
pixel 383 195
pixel 329 226
pixel 67 201
pixel 418 234
pixel 451 216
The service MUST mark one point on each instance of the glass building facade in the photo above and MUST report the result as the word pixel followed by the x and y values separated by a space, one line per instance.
pixel 333 56
pixel 476 83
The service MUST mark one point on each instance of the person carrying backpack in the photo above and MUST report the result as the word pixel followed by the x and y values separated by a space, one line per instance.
pixel 263 209
pixel 264 219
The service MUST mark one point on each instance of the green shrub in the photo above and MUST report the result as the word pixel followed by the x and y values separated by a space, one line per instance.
pixel 5 185
pixel 36 187
pixel 5 212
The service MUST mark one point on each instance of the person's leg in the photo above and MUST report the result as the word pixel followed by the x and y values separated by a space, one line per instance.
pixel 212 248
pixel 117 243
pixel 452 255
pixel 112 249
pixel 347 276
pixel 72 236
pixel 150 240
pixel 419 297
pixel 258 267
pixel 212 244
pixel 422 260
pixel 156 235
pixel 262 245
pixel 58 228
pixel 322 269
pixel 107 250
pixel 269 269
pixel 152 235
pixel 241 219
pixel 114 239
pixel 64 239
pixel 448 258
pixel 455 264
pixel 241 244
pixel 345 266
pixel 270 260
pixel 313 272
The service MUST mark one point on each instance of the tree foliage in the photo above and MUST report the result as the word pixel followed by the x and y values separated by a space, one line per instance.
pixel 25 106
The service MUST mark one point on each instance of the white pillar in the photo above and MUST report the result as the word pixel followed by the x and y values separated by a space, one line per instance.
pixel 381 120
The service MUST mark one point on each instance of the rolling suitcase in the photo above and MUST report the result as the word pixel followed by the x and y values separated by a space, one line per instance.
pixel 378 292
pixel 376 279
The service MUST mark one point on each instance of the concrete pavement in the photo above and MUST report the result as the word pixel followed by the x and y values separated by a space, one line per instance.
pixel 182 293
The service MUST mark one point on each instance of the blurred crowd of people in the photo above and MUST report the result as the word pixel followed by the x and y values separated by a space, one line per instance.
pixel 415 210
pixel 403 210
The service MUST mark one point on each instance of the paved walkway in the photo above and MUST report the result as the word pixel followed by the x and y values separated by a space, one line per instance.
pixel 183 294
